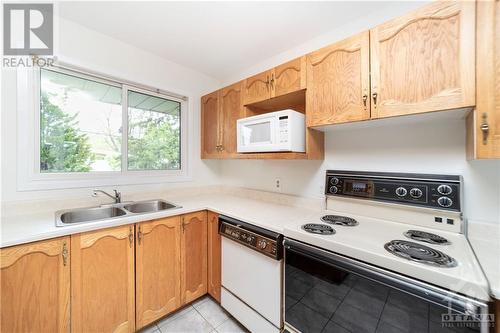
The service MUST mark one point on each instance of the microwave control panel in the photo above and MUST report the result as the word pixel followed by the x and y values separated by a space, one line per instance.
pixel 283 128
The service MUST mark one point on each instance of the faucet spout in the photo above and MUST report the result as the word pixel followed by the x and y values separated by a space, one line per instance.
pixel 117 197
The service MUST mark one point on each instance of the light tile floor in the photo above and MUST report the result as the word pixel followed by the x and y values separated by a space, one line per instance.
pixel 203 316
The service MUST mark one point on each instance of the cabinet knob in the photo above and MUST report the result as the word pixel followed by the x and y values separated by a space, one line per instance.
pixel 131 237
pixel 374 96
pixel 139 235
pixel 485 128
pixel 64 254
pixel 365 98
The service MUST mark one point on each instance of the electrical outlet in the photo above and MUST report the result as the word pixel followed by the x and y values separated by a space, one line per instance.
pixel 278 185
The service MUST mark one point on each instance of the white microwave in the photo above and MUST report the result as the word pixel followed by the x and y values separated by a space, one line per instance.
pixel 281 131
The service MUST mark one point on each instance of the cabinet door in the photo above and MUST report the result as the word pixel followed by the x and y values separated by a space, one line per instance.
pixel 35 287
pixel 214 256
pixel 424 61
pixel 231 110
pixel 289 77
pixel 158 269
pixel 194 256
pixel 102 281
pixel 484 122
pixel 257 88
pixel 338 82
pixel 210 125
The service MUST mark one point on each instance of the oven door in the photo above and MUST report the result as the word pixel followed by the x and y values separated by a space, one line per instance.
pixel 257 134
pixel 326 292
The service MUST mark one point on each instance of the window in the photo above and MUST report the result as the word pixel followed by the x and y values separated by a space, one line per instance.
pixel 94 131
pixel 153 133
pixel 80 124
pixel 82 130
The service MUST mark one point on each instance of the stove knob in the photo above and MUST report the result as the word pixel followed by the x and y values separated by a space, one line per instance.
pixel 445 202
pixel 262 244
pixel 416 193
pixel 401 191
pixel 444 189
pixel 334 180
pixel 334 189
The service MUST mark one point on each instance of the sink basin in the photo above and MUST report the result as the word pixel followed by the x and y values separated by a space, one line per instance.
pixel 104 212
pixel 149 206
pixel 88 215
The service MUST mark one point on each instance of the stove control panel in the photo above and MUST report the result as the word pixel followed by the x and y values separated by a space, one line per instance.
pixel 431 191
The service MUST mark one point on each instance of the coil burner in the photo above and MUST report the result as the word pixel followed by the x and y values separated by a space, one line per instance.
pixel 339 220
pixel 320 229
pixel 419 253
pixel 426 237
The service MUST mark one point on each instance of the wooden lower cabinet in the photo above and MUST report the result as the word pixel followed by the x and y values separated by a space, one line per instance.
pixel 193 256
pixel 214 256
pixel 35 287
pixel 158 269
pixel 102 281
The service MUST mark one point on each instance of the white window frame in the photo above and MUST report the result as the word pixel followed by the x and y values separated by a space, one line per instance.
pixel 29 176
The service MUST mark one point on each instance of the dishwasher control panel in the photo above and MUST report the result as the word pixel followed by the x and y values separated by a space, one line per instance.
pixel 265 245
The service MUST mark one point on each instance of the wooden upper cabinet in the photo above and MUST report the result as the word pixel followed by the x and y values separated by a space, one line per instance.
pixel 289 77
pixel 231 105
pixel 424 61
pixel 483 125
pixel 210 125
pixel 35 287
pixel 214 256
pixel 102 281
pixel 193 256
pixel 338 82
pixel 158 269
pixel 257 88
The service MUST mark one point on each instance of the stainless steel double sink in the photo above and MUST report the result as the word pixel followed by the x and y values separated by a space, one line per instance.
pixel 111 211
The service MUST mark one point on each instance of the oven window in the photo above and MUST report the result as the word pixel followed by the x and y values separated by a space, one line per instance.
pixel 322 298
pixel 257 133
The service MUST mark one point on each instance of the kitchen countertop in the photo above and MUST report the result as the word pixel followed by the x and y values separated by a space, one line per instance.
pixel 25 228
pixel 485 241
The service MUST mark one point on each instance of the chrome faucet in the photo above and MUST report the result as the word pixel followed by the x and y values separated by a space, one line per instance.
pixel 117 197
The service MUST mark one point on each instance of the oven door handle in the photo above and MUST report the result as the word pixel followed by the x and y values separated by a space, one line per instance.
pixel 442 297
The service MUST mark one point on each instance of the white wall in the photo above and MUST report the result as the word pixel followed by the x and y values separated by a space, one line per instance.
pixel 80 46
pixel 433 146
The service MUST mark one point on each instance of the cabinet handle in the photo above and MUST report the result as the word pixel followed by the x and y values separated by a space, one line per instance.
pixel 272 80
pixel 64 253
pixel 139 235
pixel 485 128
pixel 374 96
pixel 131 237
pixel 365 98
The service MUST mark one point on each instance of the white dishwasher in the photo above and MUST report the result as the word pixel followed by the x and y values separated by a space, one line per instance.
pixel 252 269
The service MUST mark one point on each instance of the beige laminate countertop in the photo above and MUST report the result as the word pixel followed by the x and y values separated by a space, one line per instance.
pixel 24 228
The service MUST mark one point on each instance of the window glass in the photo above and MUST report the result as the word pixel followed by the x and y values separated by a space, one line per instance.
pixel 153 132
pixel 80 124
